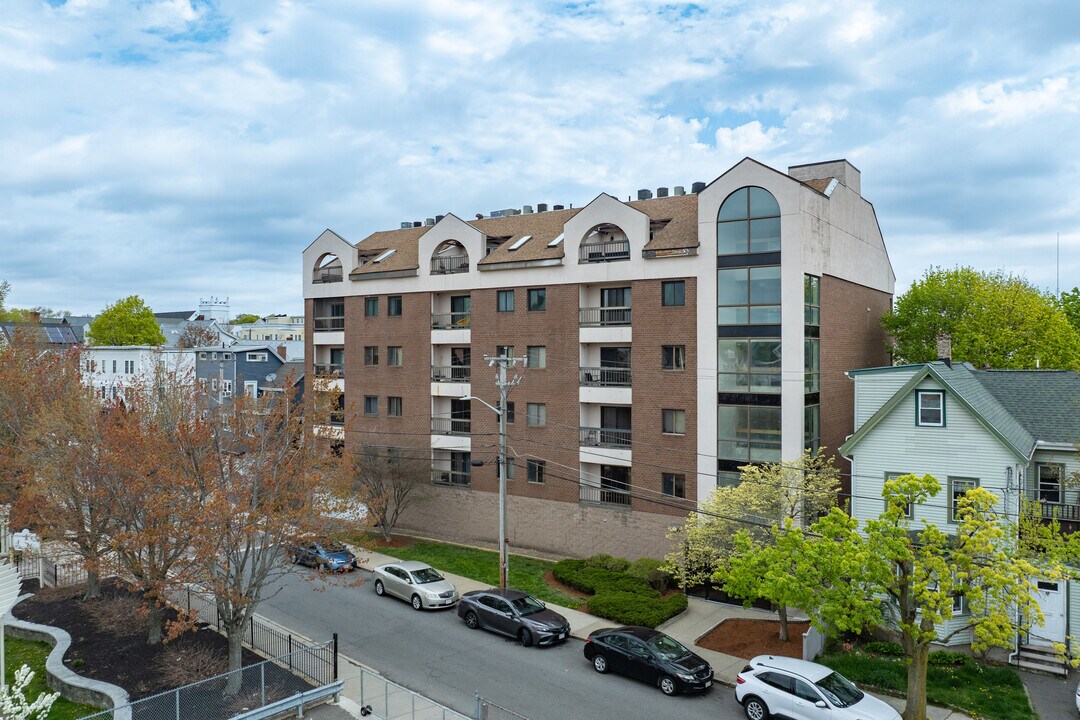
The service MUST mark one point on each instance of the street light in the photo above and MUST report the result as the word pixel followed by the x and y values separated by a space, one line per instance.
pixel 504 556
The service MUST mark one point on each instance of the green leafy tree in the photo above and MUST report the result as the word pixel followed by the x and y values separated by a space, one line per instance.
pixel 126 322
pixel 993 318
pixel 892 574
pixel 244 319
pixel 5 288
pixel 1069 302
pixel 768 494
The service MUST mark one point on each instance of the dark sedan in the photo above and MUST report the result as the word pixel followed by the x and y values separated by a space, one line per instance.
pixel 513 613
pixel 325 555
pixel 648 655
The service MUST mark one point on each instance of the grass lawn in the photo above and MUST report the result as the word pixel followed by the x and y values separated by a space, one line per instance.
pixel 526 574
pixel 994 692
pixel 26 652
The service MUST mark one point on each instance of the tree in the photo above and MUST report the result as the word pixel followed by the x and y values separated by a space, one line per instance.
pixel 388 481
pixel 892 574
pixel 767 495
pixel 196 335
pixel 244 319
pixel 5 288
pixel 1069 302
pixel 13 702
pixel 126 322
pixel 994 319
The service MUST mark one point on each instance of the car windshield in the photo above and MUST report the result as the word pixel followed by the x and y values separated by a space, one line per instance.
pixel 527 605
pixel 426 575
pixel 840 691
pixel 667 648
pixel 333 546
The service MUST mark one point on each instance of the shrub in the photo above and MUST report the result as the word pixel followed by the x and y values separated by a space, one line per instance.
pixel 884 648
pixel 944 658
pixel 635 609
pixel 112 614
pixel 623 596
pixel 607 562
pixel 652 572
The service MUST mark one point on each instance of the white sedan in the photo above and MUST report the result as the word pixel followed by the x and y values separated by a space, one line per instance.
pixel 417 583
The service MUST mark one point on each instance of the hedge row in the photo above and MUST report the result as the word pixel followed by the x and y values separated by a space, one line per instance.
pixel 622 591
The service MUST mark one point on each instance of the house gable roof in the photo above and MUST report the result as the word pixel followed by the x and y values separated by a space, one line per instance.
pixel 1044 402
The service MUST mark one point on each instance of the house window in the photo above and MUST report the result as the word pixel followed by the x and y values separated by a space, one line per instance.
pixel 509 469
pixel 748 296
pixel 537 470
pixel 226 388
pixel 746 365
pixel 537 357
pixel 907 506
pixel 251 389
pixel 959 605
pixel 536 414
pixel 214 384
pixel 393 306
pixel 393 356
pixel 673 357
pixel 256 357
pixel 812 301
pixel 537 298
pixel 957 488
pixel 504 351
pixel 1050 483
pixel 129 367
pixel 749 222
pixel 674 484
pixel 506 300
pixel 510 413
pixel 371 307
pixel 811 365
pixel 674 422
pixel 371 404
pixel 226 356
pixel 114 365
pixel 930 408
pixel 371 355
pixel 202 356
pixel 393 406
pixel 673 293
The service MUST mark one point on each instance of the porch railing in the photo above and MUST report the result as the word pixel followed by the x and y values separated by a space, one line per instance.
pixel 449 264
pixel 1051 506
pixel 327 276
pixel 451 426
pixel 450 321
pixel 604 377
pixel 604 251
pixel 450 477
pixel 333 322
pixel 605 437
pixel 603 316
pixel 331 370
pixel 450 373
pixel 604 495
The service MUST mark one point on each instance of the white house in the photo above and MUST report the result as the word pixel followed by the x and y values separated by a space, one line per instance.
pixel 111 368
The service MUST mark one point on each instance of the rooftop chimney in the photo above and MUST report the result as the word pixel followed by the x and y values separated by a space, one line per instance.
pixel 944 348
pixel 34 316
pixel 661 192
pixel 281 351
pixel 842 170
pixel 680 190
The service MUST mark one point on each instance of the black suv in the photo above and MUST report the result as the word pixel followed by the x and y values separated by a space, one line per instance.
pixel 648 655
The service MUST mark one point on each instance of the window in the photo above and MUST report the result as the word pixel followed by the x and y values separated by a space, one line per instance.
pixel 393 306
pixel 536 470
pixel 804 691
pixel 748 365
pixel 202 356
pixel 256 357
pixel 227 356
pixel 537 357
pixel 812 427
pixel 536 414
pixel 393 406
pixel 226 388
pixel 371 404
pixel 749 222
pixel 957 488
pixel 114 365
pixel 674 422
pixel 811 365
pixel 748 296
pixel 748 433
pixel 959 605
pixel 506 300
pixel 129 367
pixel 371 307
pixel 537 298
pixel 930 408
pixel 504 351
pixel 907 506
pixel 674 484
pixel 251 389
pixel 673 293
pixel 812 300
pixel 213 384
pixel 1050 483
pixel 393 356
pixel 371 355
pixel 510 413
pixel 673 357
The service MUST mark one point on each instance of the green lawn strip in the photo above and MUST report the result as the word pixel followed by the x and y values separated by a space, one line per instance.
pixel 993 692
pixel 526 574
pixel 27 652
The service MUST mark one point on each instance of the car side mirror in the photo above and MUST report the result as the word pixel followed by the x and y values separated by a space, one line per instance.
pixel 820 704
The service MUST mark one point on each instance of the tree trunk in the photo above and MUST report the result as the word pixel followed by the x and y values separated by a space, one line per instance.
pixel 915 709
pixel 236 645
pixel 154 634
pixel 385 528
pixel 93 586
pixel 782 612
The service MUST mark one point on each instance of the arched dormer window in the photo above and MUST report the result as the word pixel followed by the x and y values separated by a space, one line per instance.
pixel 449 257
pixel 327 269
pixel 749 222
pixel 604 243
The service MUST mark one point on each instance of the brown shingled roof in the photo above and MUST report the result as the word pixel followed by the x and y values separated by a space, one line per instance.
pixel 681 212
pixel 819 184
pixel 544 227
pixel 403 240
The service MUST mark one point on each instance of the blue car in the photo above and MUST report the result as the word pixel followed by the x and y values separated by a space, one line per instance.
pixel 325 555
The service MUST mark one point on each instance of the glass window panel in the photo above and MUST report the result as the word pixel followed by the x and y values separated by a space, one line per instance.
pixel 732 316
pixel 764 286
pixel 735 205
pixel 731 425
pixel 765 235
pixel 731 286
pixel 731 237
pixel 762 203
pixel 765 315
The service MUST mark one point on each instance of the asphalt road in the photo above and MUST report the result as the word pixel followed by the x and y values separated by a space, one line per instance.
pixel 434 654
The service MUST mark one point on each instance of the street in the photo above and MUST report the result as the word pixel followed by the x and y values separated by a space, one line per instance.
pixel 434 654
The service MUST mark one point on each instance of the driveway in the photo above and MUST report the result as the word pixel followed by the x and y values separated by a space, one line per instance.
pixel 1053 698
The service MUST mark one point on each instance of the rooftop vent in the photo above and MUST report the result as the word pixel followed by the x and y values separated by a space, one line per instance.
pixel 438 218
pixel 429 221
pixel 406 224
pixel 557 207
pixel 416 223
pixel 526 210
pixel 661 192
pixel 697 187
pixel 541 207
pixel 644 194
pixel 680 190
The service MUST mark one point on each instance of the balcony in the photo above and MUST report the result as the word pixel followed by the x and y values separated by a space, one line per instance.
pixel 451 373
pixel 604 377
pixel 604 495
pixel 603 316
pixel 327 276
pixel 449 264
pixel 608 251
pixel 450 321
pixel 1051 507
pixel 450 477
pixel 330 371
pixel 332 322
pixel 451 426
pixel 605 437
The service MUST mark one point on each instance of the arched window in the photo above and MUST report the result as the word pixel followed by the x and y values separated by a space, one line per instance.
pixel 449 257
pixel 327 269
pixel 749 222
pixel 604 243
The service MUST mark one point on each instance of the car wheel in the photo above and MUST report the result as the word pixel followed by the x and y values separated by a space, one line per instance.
pixel 755 708
pixel 379 589
pixel 417 603
pixel 321 566
pixel 296 558
pixel 526 637
pixel 667 685
pixel 471 621
pixel 599 662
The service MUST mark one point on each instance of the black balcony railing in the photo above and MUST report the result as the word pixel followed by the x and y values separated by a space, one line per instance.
pixel 334 322
pixel 451 426
pixel 604 377
pixel 605 437
pixel 604 251
pixel 450 373
pixel 603 316
pixel 450 477
pixel 1051 506
pixel 327 276
pixel 450 321
pixel 449 264
pixel 331 370
pixel 605 495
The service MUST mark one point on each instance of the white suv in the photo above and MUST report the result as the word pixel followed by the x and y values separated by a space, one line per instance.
pixel 787 688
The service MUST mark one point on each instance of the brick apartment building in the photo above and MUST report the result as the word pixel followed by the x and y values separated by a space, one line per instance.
pixel 670 340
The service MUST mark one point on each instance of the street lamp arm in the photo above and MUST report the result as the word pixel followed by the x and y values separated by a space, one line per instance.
pixel 494 409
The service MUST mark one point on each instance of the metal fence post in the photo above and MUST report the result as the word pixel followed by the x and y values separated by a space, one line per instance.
pixel 262 682
pixel 335 657
pixel 477 705
pixel 251 623
pixel 177 705
pixel 290 652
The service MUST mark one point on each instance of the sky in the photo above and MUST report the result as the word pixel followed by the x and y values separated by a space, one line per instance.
pixel 183 149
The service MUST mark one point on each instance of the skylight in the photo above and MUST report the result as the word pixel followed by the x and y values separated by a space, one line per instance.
pixel 521 241
pixel 385 255
pixel 556 241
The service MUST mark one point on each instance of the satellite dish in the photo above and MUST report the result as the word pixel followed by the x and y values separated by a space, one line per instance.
pixel 271 377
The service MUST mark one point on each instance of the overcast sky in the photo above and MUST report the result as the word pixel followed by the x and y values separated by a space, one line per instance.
pixel 179 149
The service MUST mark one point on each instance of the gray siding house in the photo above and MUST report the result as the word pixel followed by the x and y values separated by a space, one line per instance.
pixel 250 369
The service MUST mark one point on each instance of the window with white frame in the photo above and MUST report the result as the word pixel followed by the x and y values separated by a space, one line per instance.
pixel 1050 482
pixel 256 357
pixel 930 408
pixel 251 388
pixel 226 388
pixel 958 487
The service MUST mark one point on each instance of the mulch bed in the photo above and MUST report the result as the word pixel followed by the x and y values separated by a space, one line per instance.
pixel 108 643
pixel 746 638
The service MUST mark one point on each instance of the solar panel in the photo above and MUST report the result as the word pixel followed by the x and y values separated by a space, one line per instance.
pixel 55 336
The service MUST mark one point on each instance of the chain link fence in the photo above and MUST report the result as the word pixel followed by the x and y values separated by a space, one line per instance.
pixel 383 699
pixel 487 710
